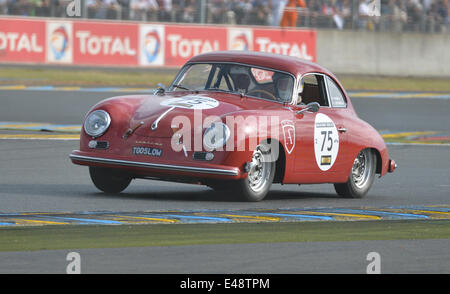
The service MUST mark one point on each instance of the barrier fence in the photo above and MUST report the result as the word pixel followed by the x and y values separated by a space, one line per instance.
pixel 114 43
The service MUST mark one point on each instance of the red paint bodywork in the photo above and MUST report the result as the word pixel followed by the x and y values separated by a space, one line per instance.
pixel 298 166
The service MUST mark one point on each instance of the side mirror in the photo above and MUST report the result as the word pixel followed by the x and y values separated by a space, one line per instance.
pixel 311 107
pixel 161 90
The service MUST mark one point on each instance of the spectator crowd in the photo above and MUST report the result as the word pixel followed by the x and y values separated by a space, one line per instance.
pixel 377 15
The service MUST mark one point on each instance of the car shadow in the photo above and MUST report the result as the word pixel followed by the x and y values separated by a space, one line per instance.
pixel 209 195
pixel 296 195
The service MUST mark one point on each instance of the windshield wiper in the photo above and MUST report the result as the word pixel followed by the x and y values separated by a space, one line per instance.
pixel 181 87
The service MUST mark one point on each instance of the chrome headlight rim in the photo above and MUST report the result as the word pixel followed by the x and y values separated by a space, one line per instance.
pixel 107 121
pixel 225 132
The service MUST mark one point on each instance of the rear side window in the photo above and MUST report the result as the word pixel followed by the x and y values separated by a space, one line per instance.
pixel 313 90
pixel 337 98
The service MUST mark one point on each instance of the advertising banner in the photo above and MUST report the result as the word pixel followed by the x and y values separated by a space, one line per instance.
pixel 112 43
pixel 22 41
pixel 98 43
pixel 151 45
pixel 184 42
pixel 240 38
pixel 59 42
pixel 297 43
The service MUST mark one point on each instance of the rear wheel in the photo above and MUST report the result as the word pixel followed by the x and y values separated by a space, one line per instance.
pixel 361 177
pixel 109 180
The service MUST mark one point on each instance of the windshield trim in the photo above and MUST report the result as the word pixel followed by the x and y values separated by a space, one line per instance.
pixel 184 68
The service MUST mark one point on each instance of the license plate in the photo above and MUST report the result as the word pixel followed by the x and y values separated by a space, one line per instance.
pixel 149 151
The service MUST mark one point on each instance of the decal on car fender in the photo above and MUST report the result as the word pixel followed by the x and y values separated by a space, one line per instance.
pixel 191 102
pixel 326 141
pixel 289 135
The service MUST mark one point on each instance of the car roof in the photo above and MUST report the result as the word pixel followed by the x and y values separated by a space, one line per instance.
pixel 293 65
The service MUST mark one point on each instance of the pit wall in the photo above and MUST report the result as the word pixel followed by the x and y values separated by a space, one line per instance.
pixel 384 53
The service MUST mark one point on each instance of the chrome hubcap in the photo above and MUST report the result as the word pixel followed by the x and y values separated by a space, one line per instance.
pixel 259 172
pixel 361 168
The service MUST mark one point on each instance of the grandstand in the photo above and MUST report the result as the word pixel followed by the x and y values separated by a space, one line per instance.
pixel 428 16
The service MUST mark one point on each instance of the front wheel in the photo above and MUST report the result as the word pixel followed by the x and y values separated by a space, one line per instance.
pixel 109 180
pixel 261 171
pixel 361 177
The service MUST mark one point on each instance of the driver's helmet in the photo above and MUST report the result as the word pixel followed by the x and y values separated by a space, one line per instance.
pixel 283 86
pixel 240 77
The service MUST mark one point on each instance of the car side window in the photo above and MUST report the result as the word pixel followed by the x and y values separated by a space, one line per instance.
pixel 313 90
pixel 337 99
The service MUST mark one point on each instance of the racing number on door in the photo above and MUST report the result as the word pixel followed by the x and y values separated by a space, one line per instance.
pixel 326 141
pixel 327 136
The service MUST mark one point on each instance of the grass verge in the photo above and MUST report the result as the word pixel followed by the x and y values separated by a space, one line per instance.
pixel 84 77
pixel 71 237
pixel 413 84
pixel 35 76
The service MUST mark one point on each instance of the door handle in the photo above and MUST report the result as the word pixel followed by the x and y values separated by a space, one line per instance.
pixel 342 130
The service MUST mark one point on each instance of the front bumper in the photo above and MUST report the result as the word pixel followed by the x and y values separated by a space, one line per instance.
pixel 392 165
pixel 153 168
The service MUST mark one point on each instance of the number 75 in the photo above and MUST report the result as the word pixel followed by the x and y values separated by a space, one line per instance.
pixel 327 134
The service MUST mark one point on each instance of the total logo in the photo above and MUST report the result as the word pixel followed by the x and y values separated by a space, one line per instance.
pixel 91 44
pixel 59 41
pixel 188 47
pixel 240 39
pixel 151 45
pixel 286 48
pixel 20 42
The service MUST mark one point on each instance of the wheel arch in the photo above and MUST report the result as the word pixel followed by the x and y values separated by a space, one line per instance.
pixel 280 164
pixel 378 160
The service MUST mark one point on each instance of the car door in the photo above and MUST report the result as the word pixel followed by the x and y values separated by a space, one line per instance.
pixel 320 135
pixel 337 113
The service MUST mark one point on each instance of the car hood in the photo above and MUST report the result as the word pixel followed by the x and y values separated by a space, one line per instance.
pixel 156 113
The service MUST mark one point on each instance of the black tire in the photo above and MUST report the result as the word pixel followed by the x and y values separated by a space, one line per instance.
pixel 361 177
pixel 109 180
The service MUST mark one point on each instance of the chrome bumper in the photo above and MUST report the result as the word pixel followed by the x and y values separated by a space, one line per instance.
pixel 178 168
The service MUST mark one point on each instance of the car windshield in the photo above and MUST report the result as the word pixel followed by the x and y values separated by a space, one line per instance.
pixel 244 79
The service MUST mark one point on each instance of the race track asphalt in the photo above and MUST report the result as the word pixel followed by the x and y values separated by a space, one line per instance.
pixel 37 175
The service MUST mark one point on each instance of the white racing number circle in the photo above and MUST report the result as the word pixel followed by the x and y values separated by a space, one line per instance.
pixel 326 141
pixel 191 102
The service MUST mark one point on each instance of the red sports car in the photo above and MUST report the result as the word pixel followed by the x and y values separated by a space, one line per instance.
pixel 236 121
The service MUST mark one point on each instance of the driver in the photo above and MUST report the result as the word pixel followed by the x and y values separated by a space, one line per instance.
pixel 283 86
pixel 240 78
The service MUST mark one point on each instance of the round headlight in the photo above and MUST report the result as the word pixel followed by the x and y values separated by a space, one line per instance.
pixel 97 122
pixel 216 136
